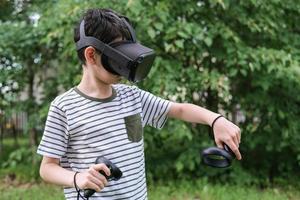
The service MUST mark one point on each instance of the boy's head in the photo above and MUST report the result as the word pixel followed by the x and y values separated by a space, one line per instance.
pixel 105 34
pixel 103 24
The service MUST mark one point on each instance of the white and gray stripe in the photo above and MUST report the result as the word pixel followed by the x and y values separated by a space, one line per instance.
pixel 81 128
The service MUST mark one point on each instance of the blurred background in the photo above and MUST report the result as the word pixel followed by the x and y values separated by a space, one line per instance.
pixel 238 58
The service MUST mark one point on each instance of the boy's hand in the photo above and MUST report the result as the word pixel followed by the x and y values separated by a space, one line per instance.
pixel 228 133
pixel 92 179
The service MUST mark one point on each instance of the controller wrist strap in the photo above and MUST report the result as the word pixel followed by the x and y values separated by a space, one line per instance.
pixel 77 188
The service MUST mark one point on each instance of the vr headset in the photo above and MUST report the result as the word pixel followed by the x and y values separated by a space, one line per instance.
pixel 125 58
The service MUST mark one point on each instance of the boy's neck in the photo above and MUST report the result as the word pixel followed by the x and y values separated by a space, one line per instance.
pixel 93 87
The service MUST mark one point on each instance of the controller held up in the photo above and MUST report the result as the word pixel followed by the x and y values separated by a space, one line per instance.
pixel 115 173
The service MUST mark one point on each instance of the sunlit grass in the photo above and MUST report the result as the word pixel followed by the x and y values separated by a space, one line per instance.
pixel 182 190
pixel 31 191
pixel 22 182
pixel 202 191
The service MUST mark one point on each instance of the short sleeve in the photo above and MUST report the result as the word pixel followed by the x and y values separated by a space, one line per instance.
pixel 55 137
pixel 155 109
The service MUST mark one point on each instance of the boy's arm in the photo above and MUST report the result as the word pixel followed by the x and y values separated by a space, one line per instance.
pixel 54 145
pixel 52 172
pixel 224 130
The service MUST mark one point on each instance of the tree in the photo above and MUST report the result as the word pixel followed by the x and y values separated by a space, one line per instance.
pixel 240 58
pixel 20 62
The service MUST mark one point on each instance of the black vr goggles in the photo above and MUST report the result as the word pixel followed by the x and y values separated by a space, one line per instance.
pixel 125 58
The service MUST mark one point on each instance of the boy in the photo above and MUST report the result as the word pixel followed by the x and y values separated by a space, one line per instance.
pixel 102 118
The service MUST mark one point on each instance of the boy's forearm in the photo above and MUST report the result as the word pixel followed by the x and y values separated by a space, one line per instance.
pixel 53 173
pixel 192 113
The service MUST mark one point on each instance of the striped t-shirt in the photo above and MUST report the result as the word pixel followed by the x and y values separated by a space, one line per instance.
pixel 80 128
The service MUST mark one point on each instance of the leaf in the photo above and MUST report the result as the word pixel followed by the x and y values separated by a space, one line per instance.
pixel 183 34
pixel 179 166
pixel 151 33
pixel 243 72
pixel 208 41
pixel 179 43
pixel 158 26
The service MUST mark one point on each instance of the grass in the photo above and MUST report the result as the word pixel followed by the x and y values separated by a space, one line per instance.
pixel 20 183
pixel 182 190
pixel 203 191
pixel 31 191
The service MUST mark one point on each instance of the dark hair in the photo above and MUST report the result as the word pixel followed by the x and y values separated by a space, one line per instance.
pixel 103 24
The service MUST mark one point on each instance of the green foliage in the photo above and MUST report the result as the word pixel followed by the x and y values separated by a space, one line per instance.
pixel 19 161
pixel 14 158
pixel 231 54
pixel 234 57
pixel 22 164
pixel 21 155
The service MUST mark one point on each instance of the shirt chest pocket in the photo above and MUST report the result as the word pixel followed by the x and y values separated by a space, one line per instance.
pixel 134 127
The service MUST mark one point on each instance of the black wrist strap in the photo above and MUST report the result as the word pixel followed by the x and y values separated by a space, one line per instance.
pixel 77 188
pixel 213 123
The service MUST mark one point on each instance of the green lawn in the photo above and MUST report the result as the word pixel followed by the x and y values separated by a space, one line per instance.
pixel 174 191
pixel 19 183
pixel 202 191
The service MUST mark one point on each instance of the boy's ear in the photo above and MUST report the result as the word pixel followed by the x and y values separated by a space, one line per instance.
pixel 90 55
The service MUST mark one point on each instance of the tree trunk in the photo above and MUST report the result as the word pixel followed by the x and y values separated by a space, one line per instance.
pixel 15 136
pixel 31 108
pixel 211 101
pixel 1 137
pixel 30 111
pixel 1 125
pixel 212 104
pixel 234 114
pixel 33 137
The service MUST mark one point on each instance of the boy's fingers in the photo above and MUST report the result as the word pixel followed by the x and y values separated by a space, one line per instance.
pixel 234 149
pixel 236 141
pixel 239 135
pixel 102 167
pixel 99 176
pixel 93 186
pixel 97 182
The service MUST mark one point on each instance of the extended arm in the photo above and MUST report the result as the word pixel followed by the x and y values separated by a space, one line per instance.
pixel 224 130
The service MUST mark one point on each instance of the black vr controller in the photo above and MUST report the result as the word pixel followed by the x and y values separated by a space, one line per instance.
pixel 115 174
pixel 217 157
